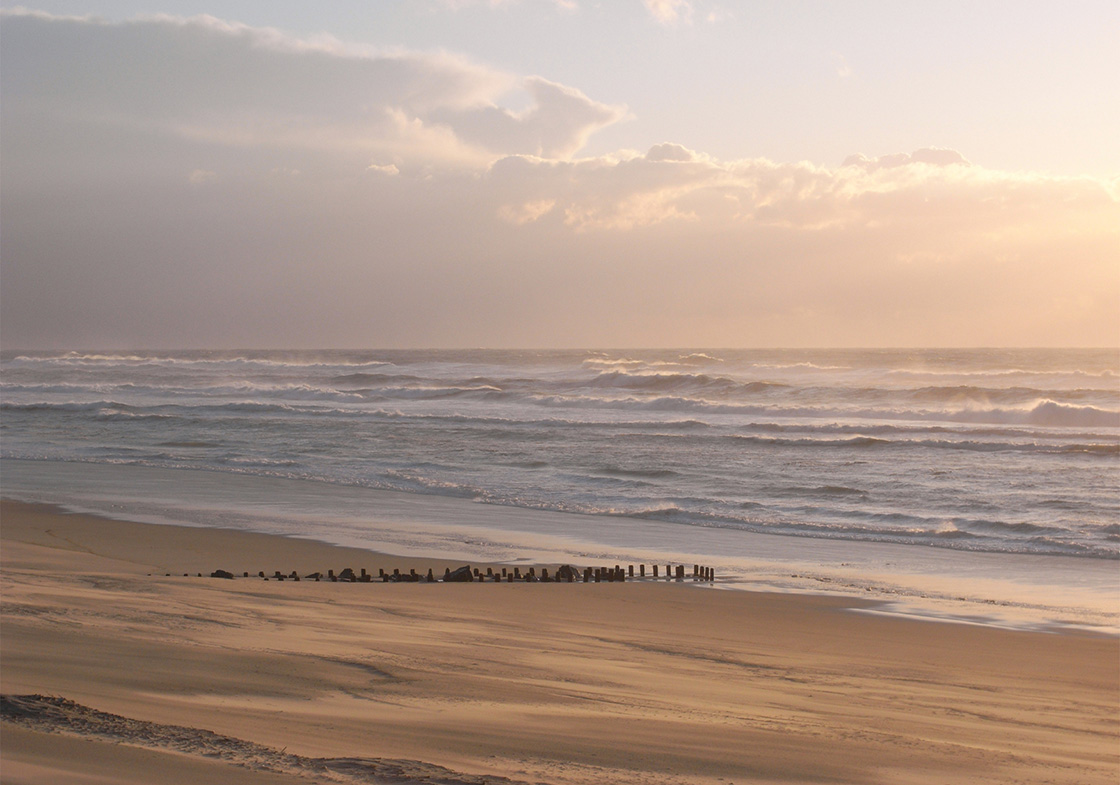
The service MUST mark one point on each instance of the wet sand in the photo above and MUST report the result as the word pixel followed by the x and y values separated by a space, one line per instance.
pixel 248 681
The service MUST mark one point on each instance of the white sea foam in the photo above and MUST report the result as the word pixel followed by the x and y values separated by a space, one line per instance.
pixel 1008 589
pixel 981 451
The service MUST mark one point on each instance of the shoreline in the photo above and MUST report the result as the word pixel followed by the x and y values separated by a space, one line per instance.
pixel 637 682
pixel 1019 591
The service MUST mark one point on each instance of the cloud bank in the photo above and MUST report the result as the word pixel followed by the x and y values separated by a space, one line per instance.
pixel 207 80
pixel 196 182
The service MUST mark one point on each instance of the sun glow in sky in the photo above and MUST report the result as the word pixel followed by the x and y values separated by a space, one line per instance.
pixel 180 173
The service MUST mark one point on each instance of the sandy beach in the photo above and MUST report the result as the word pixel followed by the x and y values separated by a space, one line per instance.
pixel 150 677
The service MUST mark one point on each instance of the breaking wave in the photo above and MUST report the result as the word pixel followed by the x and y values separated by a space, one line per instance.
pixel 978 450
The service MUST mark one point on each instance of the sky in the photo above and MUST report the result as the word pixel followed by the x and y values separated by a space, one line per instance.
pixel 558 173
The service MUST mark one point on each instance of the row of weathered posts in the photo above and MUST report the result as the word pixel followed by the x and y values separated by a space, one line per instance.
pixel 566 573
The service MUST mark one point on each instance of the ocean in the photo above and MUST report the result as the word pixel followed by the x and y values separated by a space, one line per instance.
pixel 985 477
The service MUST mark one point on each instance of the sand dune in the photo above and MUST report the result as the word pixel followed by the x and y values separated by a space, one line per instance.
pixel 151 678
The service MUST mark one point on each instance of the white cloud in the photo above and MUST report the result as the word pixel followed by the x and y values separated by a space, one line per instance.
pixel 669 12
pixel 220 83
pixel 556 125
pixel 527 212
pixel 670 152
pixel 935 193
pixel 934 156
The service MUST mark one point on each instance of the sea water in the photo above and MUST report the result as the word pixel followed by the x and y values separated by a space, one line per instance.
pixel 983 477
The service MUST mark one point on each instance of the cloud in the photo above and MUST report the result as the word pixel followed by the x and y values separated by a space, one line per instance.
pixel 669 12
pixel 525 213
pixel 934 190
pixel 556 125
pixel 670 152
pixel 934 156
pixel 219 83
pixel 196 182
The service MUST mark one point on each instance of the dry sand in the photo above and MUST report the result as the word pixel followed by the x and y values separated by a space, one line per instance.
pixel 173 679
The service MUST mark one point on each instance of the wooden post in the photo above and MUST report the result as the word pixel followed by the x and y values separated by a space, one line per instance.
pixel 668 572
pixel 680 572
pixel 586 574
pixel 544 573
pixel 655 571
pixel 431 577
pixel 641 570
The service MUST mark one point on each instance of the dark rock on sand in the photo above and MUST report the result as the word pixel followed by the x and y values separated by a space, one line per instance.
pixel 461 575
pixel 567 572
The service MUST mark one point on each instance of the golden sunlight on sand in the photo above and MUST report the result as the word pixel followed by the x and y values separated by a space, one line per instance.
pixel 665 683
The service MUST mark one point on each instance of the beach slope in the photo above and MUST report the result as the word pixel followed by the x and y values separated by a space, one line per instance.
pixel 116 667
